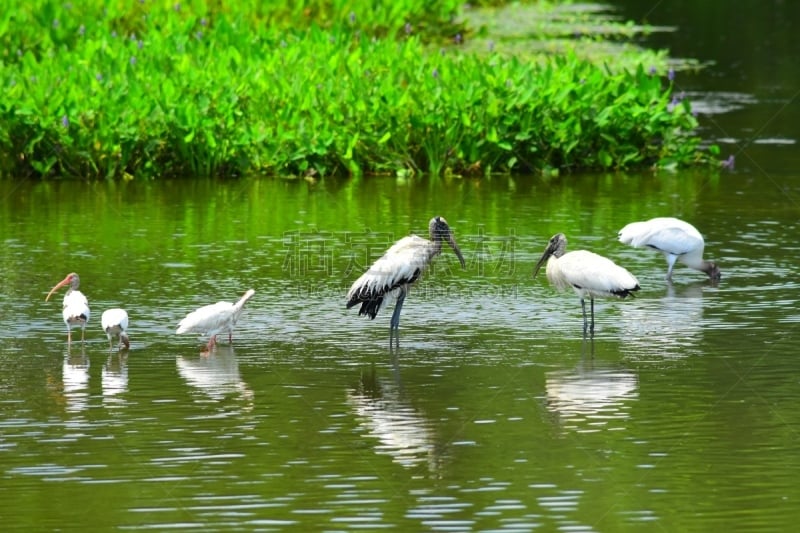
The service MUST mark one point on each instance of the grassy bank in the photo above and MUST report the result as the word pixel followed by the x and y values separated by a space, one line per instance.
pixel 150 89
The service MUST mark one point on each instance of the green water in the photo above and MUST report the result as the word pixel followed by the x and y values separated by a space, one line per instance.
pixel 494 414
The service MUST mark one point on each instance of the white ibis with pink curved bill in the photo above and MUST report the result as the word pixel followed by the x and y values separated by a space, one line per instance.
pixel 214 319
pixel 587 273
pixel 75 308
pixel 676 239
pixel 115 324
pixel 389 278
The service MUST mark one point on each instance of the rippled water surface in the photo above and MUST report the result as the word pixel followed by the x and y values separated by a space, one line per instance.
pixel 493 413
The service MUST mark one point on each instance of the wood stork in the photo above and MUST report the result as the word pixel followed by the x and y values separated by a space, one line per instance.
pixel 587 273
pixel 676 239
pixel 214 319
pixel 390 277
pixel 75 307
pixel 115 324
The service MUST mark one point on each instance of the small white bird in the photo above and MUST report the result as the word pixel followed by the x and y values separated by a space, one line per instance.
pixel 676 239
pixel 115 324
pixel 75 309
pixel 587 273
pixel 390 277
pixel 214 319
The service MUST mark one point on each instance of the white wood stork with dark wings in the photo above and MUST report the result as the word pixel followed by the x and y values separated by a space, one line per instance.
pixel 587 273
pixel 676 239
pixel 390 277
pixel 75 307
pixel 214 319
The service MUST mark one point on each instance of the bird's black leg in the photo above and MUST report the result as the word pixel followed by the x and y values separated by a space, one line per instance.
pixel 395 322
pixel 583 308
pixel 592 307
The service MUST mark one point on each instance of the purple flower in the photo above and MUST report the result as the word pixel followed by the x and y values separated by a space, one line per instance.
pixel 177 6
pixel 133 60
pixel 729 163
pixel 671 74
pixel 652 71
pixel 114 33
pixel 65 121
pixel 458 39
pixel 198 35
pixel 139 44
pixel 81 29
pixel 671 105
pixel 435 73
pixel 490 45
pixel 55 23
pixel 203 22
pixel 352 17
pixel 407 28
pixel 98 77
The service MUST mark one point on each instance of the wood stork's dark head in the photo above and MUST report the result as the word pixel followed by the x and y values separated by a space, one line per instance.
pixel 713 271
pixel 440 231
pixel 72 280
pixel 555 248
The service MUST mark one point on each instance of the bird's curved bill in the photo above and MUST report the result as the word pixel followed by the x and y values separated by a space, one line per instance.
pixel 452 242
pixel 54 289
pixel 541 262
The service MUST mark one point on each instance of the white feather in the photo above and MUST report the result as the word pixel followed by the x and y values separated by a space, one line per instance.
pixel 676 239
pixel 589 274
pixel 75 309
pixel 115 324
pixel 403 263
pixel 214 319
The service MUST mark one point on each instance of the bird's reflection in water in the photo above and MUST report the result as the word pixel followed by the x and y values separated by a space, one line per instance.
pixel 666 327
pixel 215 373
pixel 114 379
pixel 75 377
pixel 590 397
pixel 385 414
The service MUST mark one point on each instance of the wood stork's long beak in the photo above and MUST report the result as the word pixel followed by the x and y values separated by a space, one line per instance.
pixel 54 289
pixel 451 240
pixel 545 256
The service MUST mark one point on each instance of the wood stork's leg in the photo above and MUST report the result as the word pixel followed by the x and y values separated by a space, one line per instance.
pixel 670 265
pixel 211 342
pixel 591 329
pixel 395 322
pixel 230 337
pixel 583 308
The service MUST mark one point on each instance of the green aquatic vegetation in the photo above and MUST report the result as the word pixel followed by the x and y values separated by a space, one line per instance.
pixel 209 88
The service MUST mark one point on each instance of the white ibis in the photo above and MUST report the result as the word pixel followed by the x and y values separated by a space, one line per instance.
pixel 390 277
pixel 214 319
pixel 115 324
pixel 587 273
pixel 75 308
pixel 676 239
